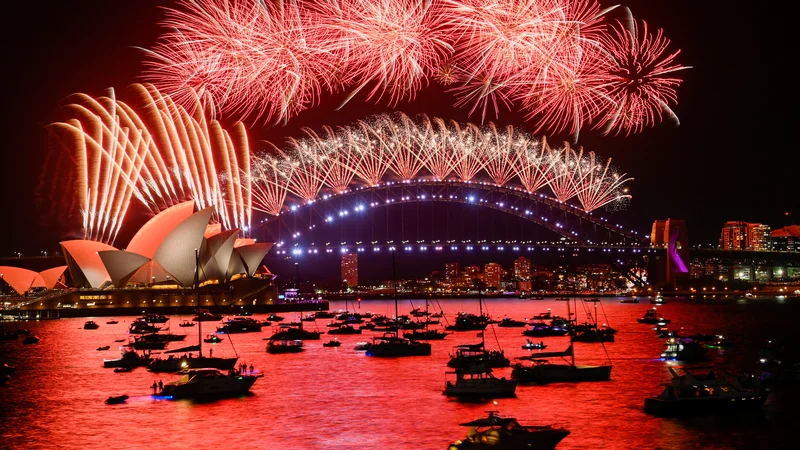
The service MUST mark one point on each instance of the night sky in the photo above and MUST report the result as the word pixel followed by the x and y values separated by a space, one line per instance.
pixel 730 159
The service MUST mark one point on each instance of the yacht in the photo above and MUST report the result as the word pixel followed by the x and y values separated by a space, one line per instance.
pixel 212 339
pixel 629 300
pixel 199 383
pixel 186 323
pixel 530 345
pixel 542 370
pixel 176 364
pixel 426 335
pixel 469 322
pixel 240 325
pixel 129 358
pixel 153 318
pixel 204 315
pixel 683 349
pixel 332 343
pixel 390 344
pixel 651 317
pixel 467 355
pixel 478 381
pixel 541 329
pixel 658 300
pixel 90 325
pixel 284 346
pixel 295 333
pixel 344 329
pixel 719 342
pixel 511 323
pixel 699 390
pixel 496 432
pixel 141 327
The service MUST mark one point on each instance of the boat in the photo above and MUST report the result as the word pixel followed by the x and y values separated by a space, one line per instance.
pixel 391 344
pixel 535 297
pixel 698 390
pixel 468 322
pixel 498 433
pixel 719 342
pixel 324 315
pixel 467 355
pixel 683 349
pixel 116 400
pixel 541 329
pixel 123 369
pixel 702 337
pixel 105 347
pixel 243 314
pixel 295 333
pixel 30 339
pixel 425 333
pixel 154 318
pixel 651 317
pixel 212 339
pixel 591 300
pixel 543 370
pixel 658 300
pixel 112 322
pixel 284 346
pixel 547 315
pixel 140 327
pixel 362 346
pixel 186 323
pixel 240 325
pixel 530 345
pixel 309 318
pixel 602 334
pixel 187 360
pixel 332 343
pixel 90 325
pixel 129 358
pixel 204 315
pixel 345 329
pixel 629 300
pixel 562 299
pixel 138 343
pixel 511 323
pixel 202 383
pixel 478 381
pixel 274 318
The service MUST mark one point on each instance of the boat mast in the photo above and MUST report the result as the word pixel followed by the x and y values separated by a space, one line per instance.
pixel 197 294
pixel 394 282
pixel 571 334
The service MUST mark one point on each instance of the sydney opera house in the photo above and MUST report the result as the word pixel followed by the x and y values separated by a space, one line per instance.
pixel 177 260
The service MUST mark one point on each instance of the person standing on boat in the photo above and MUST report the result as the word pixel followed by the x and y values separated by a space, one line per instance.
pixel 211 353
pixel 155 386
pixel 252 369
pixel 160 385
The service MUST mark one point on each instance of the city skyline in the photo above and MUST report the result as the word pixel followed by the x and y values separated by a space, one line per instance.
pixel 676 149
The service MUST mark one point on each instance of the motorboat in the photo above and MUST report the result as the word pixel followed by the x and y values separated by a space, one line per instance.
pixel 469 322
pixel 274 318
pixel 345 329
pixel 651 317
pixel 176 364
pixel 530 345
pixel 186 323
pixel 720 342
pixel 511 323
pixel 547 315
pixel 362 346
pixel 112 322
pixel 664 332
pixel 496 432
pixel 426 335
pixel 658 300
pixel 154 318
pixel 201 383
pixel 698 390
pixel 129 358
pixel 240 325
pixel 123 369
pixel 140 327
pixel 90 325
pixel 204 315
pixel 467 355
pixel 284 346
pixel 542 370
pixel 212 339
pixel 243 314
pixel 629 300
pixel 391 345
pixel 139 343
pixel 105 347
pixel 30 339
pixel 309 318
pixel 295 333
pixel 478 381
pixel 562 299
pixel 332 343
pixel 541 329
pixel 602 334
pixel 324 315
pixel 116 400
pixel 683 349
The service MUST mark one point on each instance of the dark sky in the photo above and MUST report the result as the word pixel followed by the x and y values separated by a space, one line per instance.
pixel 729 160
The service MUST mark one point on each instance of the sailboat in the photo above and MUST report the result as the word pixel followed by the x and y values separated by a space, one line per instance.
pixel 391 344
pixel 470 322
pixel 426 334
pixel 543 370
pixel 590 332
pixel 187 361
pixel 467 355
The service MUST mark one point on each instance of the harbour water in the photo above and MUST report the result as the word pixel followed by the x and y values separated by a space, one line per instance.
pixel 339 398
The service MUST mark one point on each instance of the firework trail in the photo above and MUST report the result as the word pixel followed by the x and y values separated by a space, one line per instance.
pixel 160 157
pixel 562 62
pixel 396 147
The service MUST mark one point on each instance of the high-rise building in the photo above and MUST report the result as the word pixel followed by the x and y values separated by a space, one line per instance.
pixel 759 237
pixel 350 269
pixel 745 236
pixel 492 274
pixel 733 236
pixel 786 239
pixel 451 271
pixel 522 268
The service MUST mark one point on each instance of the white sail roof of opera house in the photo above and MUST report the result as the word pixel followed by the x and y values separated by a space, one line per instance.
pixel 164 249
